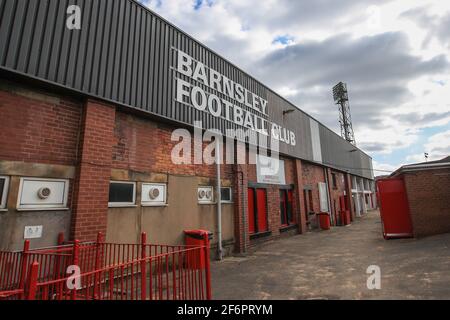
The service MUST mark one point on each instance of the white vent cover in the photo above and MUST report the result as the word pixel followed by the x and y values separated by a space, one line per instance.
pixel 42 194
pixel 153 194
pixel 205 194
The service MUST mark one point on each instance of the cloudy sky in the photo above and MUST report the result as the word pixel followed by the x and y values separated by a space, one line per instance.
pixel 393 54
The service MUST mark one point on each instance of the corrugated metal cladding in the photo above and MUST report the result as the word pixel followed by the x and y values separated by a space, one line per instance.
pixel 124 53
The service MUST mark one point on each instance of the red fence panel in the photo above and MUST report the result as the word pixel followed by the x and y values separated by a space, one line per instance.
pixel 167 276
pixel 108 272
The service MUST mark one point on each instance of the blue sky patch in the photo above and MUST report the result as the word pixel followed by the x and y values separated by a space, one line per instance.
pixel 283 39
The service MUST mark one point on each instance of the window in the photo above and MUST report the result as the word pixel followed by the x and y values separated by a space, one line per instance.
pixel 226 195
pixel 42 194
pixel 4 183
pixel 286 207
pixel 205 195
pixel 122 194
pixel 154 194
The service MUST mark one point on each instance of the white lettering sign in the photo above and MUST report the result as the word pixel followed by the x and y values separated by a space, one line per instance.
pixel 226 99
pixel 33 232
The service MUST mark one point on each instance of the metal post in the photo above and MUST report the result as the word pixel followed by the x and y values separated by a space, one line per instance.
pixel 98 254
pixel 219 202
pixel 143 266
pixel 32 281
pixel 24 263
pixel 207 268
pixel 75 262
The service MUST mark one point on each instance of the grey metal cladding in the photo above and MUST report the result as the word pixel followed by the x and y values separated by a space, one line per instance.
pixel 339 153
pixel 124 53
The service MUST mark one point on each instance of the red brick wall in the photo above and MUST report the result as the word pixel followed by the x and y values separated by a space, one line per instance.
pixel 144 145
pixel 336 193
pixel 91 191
pixel 429 201
pixel 299 185
pixel 240 208
pixel 38 128
pixel 312 175
pixel 350 203
pixel 289 167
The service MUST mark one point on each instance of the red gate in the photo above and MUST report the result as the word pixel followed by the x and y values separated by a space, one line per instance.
pixel 394 208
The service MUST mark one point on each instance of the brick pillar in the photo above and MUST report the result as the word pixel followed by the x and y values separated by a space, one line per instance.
pixel 299 187
pixel 91 191
pixel 348 191
pixel 240 208
pixel 331 197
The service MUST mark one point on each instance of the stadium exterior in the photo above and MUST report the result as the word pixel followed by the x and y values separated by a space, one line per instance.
pixel 87 122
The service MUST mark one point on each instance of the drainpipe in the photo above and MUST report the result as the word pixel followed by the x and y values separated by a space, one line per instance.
pixel 219 202
pixel 244 215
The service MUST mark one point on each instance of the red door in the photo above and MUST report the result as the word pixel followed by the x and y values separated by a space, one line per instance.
pixel 394 209
pixel 251 211
pixel 342 203
pixel 261 196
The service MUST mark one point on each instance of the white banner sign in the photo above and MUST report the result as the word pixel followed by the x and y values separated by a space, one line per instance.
pixel 323 194
pixel 270 171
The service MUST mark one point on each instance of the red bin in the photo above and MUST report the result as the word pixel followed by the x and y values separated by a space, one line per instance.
pixel 324 220
pixel 198 238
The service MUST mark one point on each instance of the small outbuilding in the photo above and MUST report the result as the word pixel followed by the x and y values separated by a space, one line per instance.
pixel 415 200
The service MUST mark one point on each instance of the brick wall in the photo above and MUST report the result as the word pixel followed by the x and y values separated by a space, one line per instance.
pixel 312 175
pixel 336 192
pixel 429 201
pixel 299 183
pixel 91 191
pixel 350 204
pixel 38 127
pixel 241 235
pixel 145 146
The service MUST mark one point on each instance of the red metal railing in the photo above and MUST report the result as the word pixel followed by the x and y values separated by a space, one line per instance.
pixel 53 262
pixel 168 276
pixel 108 271
pixel 11 295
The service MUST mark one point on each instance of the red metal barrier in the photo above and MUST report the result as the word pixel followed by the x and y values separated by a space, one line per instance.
pixel 394 208
pixel 53 262
pixel 11 295
pixel 108 271
pixel 168 276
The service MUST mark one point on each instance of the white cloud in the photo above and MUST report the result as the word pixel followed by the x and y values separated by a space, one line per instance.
pixel 437 147
pixel 384 168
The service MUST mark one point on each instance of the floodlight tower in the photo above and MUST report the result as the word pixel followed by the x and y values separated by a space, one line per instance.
pixel 340 95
